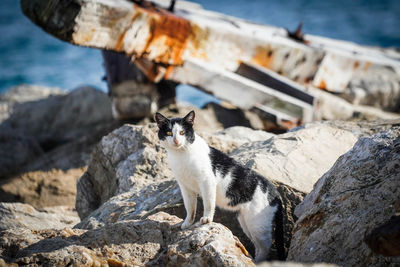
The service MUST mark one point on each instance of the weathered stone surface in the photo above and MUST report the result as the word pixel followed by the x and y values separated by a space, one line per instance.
pixel 298 158
pixel 385 239
pixel 293 264
pixel 16 151
pixel 231 138
pixel 18 215
pixel 355 196
pixel 21 94
pixel 42 188
pixel 359 129
pixel 39 119
pixel 128 157
pixel 155 241
pixel 60 118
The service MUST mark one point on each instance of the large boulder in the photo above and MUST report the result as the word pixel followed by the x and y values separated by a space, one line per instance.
pixel 155 241
pixel 16 150
pixel 60 118
pixel 298 158
pixel 18 215
pixel 35 120
pixel 354 197
pixel 42 188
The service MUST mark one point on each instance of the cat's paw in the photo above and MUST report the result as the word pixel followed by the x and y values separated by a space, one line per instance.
pixel 205 220
pixel 186 224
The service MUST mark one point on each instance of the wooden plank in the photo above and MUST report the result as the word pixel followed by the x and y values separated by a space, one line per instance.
pixel 240 91
pixel 191 33
pixel 274 81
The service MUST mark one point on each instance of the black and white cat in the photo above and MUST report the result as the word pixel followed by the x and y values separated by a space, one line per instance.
pixel 219 180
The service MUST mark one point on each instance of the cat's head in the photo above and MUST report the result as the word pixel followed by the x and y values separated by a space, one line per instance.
pixel 175 133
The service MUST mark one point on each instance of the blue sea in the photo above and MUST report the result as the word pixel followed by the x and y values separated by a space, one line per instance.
pixel 29 55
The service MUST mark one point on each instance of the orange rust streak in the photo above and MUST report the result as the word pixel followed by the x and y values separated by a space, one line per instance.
pixel 174 32
pixel 367 65
pixel 322 85
pixel 356 64
pixel 263 57
pixel 120 42
pixel 169 71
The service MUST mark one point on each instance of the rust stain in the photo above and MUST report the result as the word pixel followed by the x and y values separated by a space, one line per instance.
pixel 322 85
pixel 168 72
pixel 356 64
pixel 263 57
pixel 241 247
pixel 115 263
pixel 367 65
pixel 310 223
pixel 168 33
pixel 120 42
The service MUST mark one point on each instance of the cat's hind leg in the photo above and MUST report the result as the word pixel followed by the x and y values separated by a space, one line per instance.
pixel 259 225
pixel 190 202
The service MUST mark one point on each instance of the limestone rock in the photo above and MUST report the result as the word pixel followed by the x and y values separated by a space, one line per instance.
pixel 155 241
pixel 16 150
pixel 298 158
pixel 38 119
pixel 60 118
pixel 355 196
pixel 128 157
pixel 21 94
pixel 18 215
pixel 231 138
pixel 42 188
pixel 293 264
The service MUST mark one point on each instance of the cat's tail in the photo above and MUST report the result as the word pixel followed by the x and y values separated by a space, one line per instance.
pixel 279 235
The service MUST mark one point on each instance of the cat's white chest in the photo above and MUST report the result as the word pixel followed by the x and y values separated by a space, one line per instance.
pixel 191 167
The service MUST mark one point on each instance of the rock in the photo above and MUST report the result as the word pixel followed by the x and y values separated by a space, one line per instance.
pixel 128 157
pixel 18 215
pixel 358 128
pixel 297 158
pixel 21 94
pixel 355 196
pixel 385 239
pixel 16 150
pixel 231 138
pixel 42 188
pixel 40 119
pixel 155 241
pixel 60 118
pixel 293 264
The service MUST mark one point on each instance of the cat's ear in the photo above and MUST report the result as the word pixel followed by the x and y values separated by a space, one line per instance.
pixel 189 117
pixel 160 119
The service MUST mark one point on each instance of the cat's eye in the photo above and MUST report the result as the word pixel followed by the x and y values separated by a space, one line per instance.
pixel 181 132
pixel 169 133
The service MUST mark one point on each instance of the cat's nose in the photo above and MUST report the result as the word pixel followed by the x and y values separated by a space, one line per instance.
pixel 176 141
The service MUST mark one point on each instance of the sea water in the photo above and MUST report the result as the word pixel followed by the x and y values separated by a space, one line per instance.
pixel 29 55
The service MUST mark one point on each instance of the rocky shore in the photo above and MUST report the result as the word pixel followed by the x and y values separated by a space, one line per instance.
pixel 79 188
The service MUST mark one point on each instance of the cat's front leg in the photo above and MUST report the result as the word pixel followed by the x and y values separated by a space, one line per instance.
pixel 190 202
pixel 208 194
